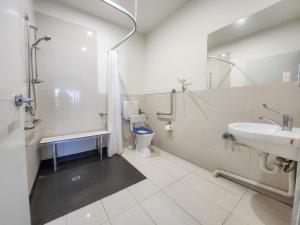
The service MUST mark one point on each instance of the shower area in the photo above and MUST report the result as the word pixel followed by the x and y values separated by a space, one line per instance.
pixel 78 73
pixel 75 87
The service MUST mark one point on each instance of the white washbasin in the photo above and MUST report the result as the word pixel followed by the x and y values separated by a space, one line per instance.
pixel 268 138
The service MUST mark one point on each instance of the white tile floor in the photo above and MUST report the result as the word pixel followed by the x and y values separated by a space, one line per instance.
pixel 178 192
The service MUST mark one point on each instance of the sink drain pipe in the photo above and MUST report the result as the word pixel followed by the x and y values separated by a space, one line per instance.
pixel 277 165
pixel 291 174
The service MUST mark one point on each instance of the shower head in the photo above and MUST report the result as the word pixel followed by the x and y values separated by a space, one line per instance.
pixel 45 38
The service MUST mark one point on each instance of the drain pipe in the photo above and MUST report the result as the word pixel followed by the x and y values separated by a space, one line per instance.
pixel 289 194
pixel 277 165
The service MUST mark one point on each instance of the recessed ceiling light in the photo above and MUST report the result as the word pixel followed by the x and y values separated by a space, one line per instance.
pixel 223 55
pixel 88 215
pixel 90 33
pixel 83 48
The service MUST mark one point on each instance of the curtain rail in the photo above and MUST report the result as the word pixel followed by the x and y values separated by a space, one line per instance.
pixel 126 12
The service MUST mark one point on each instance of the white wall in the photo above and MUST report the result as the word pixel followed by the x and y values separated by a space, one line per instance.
pixel 14 203
pixel 278 40
pixel 68 100
pixel 178 47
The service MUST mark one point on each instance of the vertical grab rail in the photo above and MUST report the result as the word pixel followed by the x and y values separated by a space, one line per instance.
pixel 171 105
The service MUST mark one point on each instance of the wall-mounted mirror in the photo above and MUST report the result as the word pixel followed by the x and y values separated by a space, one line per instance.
pixel 263 48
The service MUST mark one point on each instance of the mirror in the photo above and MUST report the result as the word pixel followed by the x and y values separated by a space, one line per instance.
pixel 263 48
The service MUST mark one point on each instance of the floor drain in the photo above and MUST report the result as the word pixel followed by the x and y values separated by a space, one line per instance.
pixel 75 178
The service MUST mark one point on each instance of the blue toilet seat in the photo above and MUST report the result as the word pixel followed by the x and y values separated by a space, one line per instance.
pixel 142 131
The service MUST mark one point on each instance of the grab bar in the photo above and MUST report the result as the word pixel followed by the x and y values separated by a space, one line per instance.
pixel 171 105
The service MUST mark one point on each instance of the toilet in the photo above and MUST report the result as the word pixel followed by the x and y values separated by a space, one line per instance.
pixel 143 135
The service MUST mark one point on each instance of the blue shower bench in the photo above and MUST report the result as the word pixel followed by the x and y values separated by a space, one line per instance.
pixel 70 137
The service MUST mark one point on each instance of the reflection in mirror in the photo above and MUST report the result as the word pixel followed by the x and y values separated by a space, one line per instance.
pixel 263 48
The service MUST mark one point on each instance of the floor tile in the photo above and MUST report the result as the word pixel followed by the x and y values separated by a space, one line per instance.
pixel 198 198
pixel 278 208
pixel 253 214
pixel 212 192
pixel 59 221
pixel 199 207
pixel 171 168
pixel 93 214
pixel 222 182
pixel 118 203
pixel 137 160
pixel 232 220
pixel 164 211
pixel 143 190
pixel 156 175
pixel 133 216
pixel 179 161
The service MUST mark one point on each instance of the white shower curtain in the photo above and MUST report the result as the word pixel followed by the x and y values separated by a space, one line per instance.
pixel 115 143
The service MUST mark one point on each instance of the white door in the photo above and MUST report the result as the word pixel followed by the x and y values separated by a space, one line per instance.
pixel 14 203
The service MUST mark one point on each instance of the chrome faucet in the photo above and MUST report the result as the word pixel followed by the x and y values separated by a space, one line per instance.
pixel 287 120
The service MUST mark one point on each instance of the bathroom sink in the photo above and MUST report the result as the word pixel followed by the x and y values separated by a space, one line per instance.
pixel 268 138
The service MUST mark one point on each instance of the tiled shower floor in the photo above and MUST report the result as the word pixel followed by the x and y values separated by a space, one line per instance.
pixel 78 183
pixel 177 192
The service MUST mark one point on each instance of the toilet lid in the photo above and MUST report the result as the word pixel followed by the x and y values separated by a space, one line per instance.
pixel 142 130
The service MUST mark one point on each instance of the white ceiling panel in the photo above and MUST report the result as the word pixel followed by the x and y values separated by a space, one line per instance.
pixel 150 12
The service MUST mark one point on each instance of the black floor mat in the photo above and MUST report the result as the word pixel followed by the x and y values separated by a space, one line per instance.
pixel 55 195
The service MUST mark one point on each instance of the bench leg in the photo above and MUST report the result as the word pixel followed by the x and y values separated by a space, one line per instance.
pixel 54 154
pixel 99 147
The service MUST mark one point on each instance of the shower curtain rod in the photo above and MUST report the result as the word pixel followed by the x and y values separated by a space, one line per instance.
pixel 126 12
pixel 223 60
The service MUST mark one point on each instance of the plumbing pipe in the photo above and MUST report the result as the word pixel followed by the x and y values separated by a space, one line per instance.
pixel 292 182
pixel 263 165
pixel 289 194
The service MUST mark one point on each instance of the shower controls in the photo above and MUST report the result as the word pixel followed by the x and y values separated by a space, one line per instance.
pixel 20 100
pixel 35 81
pixel 184 84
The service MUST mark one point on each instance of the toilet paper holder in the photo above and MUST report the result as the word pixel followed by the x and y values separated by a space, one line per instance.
pixel 169 126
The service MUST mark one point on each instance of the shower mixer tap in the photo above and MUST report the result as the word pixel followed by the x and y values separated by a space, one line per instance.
pixel 184 84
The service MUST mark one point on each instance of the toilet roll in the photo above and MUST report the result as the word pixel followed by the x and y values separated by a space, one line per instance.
pixel 169 127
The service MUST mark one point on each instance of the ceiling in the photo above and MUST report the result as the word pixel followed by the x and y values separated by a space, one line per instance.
pixel 278 14
pixel 150 12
